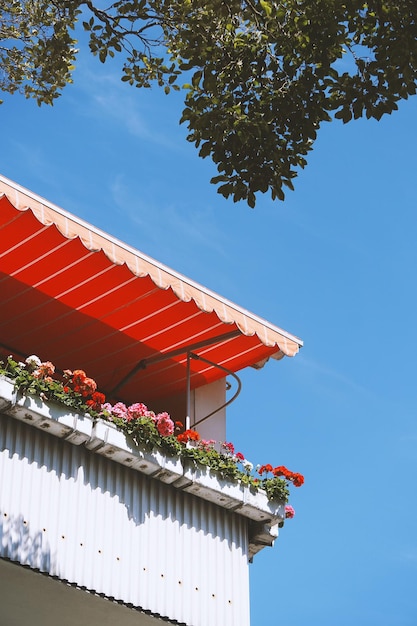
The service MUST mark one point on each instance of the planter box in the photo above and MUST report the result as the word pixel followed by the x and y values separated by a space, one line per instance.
pixel 103 437
pixel 7 394
pixel 204 483
pixel 231 495
pixel 108 440
pixel 48 416
pixel 257 507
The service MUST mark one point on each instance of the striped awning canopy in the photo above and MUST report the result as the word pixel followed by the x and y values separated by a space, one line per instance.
pixel 78 297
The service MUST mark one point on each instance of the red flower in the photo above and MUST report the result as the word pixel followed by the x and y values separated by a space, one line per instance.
pixel 264 469
pixel 78 377
pixel 240 456
pixel 99 397
pixel 188 435
pixel 297 480
pixel 281 470
pixel 96 401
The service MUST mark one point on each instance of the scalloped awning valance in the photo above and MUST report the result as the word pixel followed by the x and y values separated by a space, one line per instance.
pixel 83 299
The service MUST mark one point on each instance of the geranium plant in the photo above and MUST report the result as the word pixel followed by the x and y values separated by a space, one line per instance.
pixel 75 390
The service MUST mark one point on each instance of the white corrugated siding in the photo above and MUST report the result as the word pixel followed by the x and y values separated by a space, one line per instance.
pixel 77 515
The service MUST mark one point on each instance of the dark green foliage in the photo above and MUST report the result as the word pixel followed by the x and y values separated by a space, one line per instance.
pixel 261 76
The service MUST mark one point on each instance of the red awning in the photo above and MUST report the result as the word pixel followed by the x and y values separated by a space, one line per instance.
pixel 80 298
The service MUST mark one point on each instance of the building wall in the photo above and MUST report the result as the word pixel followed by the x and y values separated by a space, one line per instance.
pixel 88 520
pixel 206 399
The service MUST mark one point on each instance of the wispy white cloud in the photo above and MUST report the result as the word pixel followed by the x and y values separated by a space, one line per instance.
pixel 332 375
pixel 180 231
pixel 409 556
pixel 123 109
pixel 106 96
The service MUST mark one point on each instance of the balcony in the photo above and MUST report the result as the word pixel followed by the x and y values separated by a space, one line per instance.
pixel 150 535
pixel 82 503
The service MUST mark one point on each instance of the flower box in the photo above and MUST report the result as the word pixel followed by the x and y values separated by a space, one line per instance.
pixel 108 440
pixel 257 507
pixel 48 416
pixel 105 438
pixel 209 485
pixel 7 394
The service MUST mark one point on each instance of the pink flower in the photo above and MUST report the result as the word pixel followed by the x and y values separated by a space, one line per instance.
pixel 289 511
pixel 44 370
pixel 206 444
pixel 120 410
pixel 88 386
pixel 137 410
pixel 47 368
pixel 228 447
pixel 164 424
pixel 78 377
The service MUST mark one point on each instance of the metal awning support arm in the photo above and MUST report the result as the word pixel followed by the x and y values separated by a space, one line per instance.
pixel 228 372
pixel 168 355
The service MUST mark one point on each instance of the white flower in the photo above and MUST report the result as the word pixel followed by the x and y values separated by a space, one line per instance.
pixel 247 465
pixel 33 361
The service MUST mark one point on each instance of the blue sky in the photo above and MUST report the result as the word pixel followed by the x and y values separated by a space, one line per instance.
pixel 333 264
